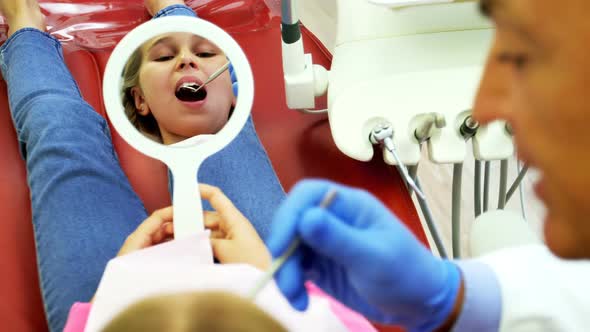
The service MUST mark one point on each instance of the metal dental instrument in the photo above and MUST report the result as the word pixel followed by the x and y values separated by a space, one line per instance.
pixel 456 209
pixel 383 134
pixel 521 173
pixel 277 263
pixel 211 78
pixel 503 184
pixel 431 223
pixel 486 185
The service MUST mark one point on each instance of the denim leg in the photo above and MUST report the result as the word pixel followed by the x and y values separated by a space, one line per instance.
pixel 241 170
pixel 83 206
pixel 244 173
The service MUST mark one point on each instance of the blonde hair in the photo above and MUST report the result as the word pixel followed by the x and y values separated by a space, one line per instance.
pixel 211 311
pixel 146 124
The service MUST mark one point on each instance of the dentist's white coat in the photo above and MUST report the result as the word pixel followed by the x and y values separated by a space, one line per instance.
pixel 541 292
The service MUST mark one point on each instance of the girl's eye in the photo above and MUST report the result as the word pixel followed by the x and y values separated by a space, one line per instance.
pixel 164 58
pixel 205 54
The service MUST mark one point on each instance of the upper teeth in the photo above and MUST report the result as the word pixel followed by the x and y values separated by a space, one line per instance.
pixel 189 85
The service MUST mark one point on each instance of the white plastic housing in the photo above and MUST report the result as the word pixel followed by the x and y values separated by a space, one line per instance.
pixel 360 20
pixel 493 142
pixel 395 64
pixel 303 80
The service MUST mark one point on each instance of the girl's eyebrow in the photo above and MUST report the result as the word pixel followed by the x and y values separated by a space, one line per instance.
pixel 163 40
pixel 168 40
pixel 198 40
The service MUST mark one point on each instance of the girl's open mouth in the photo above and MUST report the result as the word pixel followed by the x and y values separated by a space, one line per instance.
pixel 190 92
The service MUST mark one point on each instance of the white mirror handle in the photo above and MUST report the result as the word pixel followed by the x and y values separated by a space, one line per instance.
pixel 188 210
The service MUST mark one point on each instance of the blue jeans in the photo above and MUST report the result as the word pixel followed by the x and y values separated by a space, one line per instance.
pixel 83 206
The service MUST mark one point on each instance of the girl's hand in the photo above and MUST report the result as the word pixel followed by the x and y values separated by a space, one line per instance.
pixel 156 229
pixel 233 238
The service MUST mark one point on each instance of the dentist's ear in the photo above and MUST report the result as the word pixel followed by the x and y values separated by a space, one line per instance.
pixel 140 103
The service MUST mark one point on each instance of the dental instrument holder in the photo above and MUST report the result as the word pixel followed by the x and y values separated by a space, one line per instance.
pixel 183 161
pixel 493 142
pixel 382 134
pixel 397 65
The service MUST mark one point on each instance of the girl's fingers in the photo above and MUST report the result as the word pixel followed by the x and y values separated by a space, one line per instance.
pixel 220 249
pixel 165 231
pixel 168 228
pixel 217 234
pixel 228 212
pixel 211 219
pixel 155 221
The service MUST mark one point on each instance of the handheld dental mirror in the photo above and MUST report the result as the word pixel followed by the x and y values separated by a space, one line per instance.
pixel 182 159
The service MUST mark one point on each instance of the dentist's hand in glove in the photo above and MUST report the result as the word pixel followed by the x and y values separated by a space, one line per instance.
pixel 234 79
pixel 361 254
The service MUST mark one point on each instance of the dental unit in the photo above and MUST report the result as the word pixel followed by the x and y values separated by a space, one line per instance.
pixel 409 67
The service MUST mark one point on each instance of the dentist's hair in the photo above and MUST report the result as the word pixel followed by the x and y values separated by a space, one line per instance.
pixel 192 312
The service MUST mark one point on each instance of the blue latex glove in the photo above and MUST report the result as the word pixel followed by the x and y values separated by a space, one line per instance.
pixel 234 79
pixel 361 254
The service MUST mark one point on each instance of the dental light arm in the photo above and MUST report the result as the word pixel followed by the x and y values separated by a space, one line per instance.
pixel 303 80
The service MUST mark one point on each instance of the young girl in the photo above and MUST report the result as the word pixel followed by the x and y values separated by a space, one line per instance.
pixel 83 206
pixel 160 80
pixel 234 240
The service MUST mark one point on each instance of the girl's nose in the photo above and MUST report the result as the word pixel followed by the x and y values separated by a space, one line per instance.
pixel 187 60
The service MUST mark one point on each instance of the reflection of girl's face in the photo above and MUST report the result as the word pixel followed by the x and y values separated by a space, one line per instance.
pixel 174 60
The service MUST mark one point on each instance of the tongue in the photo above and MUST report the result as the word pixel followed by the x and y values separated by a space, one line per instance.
pixel 188 94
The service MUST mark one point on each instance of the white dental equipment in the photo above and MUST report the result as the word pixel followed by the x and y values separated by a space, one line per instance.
pixel 383 134
pixel 415 65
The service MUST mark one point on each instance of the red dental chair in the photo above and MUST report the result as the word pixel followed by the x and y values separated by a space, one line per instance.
pixel 298 145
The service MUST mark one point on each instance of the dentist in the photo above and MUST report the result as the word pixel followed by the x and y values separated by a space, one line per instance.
pixel 537 79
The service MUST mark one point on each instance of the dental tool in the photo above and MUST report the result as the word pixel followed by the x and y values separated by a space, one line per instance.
pixel 486 185
pixel 433 120
pixel 469 127
pixel 277 263
pixel 522 172
pixel 456 209
pixel 503 184
pixel 521 190
pixel 211 78
pixel 431 223
pixel 382 134
pixel 477 188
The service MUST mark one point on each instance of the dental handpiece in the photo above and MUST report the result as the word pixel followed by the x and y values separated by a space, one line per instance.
pixel 277 263
pixel 382 134
pixel 212 77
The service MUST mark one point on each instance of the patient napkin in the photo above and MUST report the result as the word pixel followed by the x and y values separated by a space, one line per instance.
pixel 186 265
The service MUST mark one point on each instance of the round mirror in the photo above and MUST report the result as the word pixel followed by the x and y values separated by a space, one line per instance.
pixel 169 92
